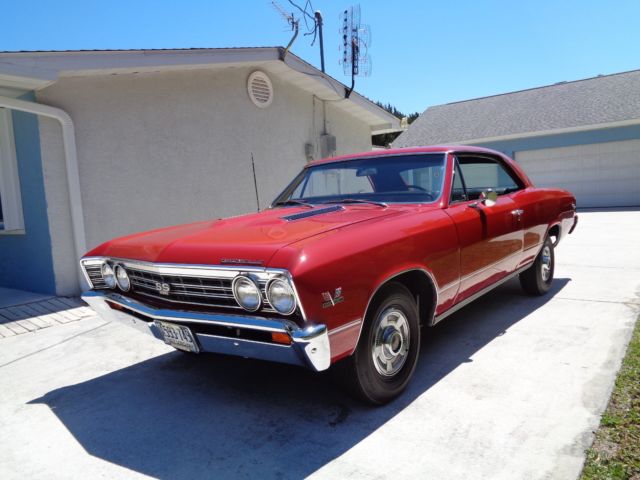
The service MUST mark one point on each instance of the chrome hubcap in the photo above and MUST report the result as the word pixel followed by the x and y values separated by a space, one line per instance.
pixel 390 342
pixel 545 264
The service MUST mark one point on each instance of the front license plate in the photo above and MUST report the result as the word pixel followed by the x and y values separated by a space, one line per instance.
pixel 178 336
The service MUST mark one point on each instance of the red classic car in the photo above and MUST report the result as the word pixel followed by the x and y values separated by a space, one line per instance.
pixel 352 258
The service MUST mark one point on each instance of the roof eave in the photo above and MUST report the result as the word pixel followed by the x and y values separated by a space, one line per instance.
pixel 542 133
pixel 17 71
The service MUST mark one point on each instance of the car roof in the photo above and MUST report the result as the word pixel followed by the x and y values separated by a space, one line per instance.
pixel 407 150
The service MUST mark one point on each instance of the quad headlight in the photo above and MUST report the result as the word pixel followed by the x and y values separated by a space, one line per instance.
pixel 247 293
pixel 281 296
pixel 122 279
pixel 108 276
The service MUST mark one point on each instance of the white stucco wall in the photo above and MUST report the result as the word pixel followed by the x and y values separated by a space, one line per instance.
pixel 158 149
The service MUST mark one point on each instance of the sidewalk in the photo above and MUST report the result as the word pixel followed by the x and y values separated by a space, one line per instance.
pixel 26 312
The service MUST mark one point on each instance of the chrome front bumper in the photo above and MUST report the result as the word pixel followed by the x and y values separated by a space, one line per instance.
pixel 223 333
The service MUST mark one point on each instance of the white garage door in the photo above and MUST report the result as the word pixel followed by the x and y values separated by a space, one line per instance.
pixel 599 174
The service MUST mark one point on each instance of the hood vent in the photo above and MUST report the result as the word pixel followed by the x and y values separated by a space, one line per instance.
pixel 312 213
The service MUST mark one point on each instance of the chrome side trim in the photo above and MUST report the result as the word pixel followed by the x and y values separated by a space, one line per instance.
pixel 488 267
pixel 346 326
pixel 477 295
pixel 310 345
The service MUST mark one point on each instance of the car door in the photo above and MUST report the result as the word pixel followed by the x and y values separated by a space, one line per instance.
pixel 490 236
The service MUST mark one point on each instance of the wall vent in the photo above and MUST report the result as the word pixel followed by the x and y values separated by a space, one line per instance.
pixel 260 89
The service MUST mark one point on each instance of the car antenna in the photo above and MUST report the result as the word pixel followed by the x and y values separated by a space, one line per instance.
pixel 255 181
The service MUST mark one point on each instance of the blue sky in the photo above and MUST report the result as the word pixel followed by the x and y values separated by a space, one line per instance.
pixel 424 52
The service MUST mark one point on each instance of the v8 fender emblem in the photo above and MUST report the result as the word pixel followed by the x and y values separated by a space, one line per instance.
pixel 331 300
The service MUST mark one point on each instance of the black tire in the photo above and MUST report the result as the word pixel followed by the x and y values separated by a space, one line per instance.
pixel 396 307
pixel 537 279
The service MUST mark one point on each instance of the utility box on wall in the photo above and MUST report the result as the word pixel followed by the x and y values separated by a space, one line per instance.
pixel 327 145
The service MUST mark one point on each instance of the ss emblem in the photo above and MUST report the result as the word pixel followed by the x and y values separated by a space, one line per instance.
pixel 163 288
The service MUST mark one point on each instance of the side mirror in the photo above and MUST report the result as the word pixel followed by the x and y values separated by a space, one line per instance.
pixel 488 198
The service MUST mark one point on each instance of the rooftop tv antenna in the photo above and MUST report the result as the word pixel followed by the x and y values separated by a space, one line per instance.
pixel 356 40
pixel 292 21
pixel 313 22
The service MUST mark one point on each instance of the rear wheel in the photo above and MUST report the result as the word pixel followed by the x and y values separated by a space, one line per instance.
pixel 387 353
pixel 537 279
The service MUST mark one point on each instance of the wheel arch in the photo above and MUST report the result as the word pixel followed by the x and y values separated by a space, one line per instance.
pixel 554 230
pixel 423 287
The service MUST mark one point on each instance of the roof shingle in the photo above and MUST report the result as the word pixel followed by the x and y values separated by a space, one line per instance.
pixel 592 101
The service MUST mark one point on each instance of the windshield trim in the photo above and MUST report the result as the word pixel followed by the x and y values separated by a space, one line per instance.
pixel 288 190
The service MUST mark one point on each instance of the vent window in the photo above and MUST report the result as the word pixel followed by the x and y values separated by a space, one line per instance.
pixel 260 89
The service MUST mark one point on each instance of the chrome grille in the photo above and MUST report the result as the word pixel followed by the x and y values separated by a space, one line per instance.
pixel 192 290
pixel 94 272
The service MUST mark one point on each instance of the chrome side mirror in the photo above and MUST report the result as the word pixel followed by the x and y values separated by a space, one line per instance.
pixel 489 198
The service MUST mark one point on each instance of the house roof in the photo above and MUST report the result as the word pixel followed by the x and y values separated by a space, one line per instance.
pixel 598 102
pixel 20 71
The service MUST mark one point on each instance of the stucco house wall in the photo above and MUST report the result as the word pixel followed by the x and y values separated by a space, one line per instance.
pixel 162 148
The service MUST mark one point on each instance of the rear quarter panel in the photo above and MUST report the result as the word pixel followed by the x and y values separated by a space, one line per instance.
pixel 543 208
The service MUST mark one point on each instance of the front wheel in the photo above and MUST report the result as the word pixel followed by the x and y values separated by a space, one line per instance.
pixel 536 280
pixel 387 353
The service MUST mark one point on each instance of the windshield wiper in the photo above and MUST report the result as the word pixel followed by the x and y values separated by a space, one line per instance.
pixel 292 202
pixel 358 200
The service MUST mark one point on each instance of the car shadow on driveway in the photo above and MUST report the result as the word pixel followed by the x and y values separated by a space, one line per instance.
pixel 178 415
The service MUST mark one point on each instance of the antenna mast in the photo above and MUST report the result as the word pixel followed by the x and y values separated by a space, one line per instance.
pixel 313 24
pixel 318 17
pixel 291 20
pixel 356 40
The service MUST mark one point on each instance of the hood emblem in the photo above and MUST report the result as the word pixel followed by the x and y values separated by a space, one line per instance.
pixel 241 261
pixel 331 301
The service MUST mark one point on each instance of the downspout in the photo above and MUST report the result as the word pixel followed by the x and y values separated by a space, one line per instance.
pixel 71 163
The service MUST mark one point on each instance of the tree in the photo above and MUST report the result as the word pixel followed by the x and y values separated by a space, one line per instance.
pixel 385 139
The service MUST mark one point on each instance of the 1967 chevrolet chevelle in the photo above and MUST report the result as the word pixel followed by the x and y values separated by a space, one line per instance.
pixel 351 260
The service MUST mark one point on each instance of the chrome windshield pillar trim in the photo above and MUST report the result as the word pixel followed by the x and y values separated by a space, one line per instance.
pixel 309 344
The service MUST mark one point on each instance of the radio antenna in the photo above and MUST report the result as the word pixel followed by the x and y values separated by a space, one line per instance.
pixel 255 181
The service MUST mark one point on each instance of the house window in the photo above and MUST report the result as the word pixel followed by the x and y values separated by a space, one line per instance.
pixel 11 220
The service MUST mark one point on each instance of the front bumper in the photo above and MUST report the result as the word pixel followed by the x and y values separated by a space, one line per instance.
pixel 242 335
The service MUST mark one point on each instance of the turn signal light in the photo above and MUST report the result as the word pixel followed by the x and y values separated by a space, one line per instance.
pixel 280 337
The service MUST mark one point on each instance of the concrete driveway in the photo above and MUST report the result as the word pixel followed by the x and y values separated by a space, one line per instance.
pixel 510 387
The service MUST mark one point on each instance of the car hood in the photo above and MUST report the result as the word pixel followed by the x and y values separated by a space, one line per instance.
pixel 245 240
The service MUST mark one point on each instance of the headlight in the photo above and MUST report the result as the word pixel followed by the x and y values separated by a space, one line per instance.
pixel 108 276
pixel 281 296
pixel 122 279
pixel 247 293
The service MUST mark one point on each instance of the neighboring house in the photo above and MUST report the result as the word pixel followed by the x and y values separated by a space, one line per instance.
pixel 161 137
pixel 583 135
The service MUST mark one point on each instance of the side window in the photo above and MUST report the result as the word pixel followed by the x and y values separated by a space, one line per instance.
pixel 10 200
pixel 483 173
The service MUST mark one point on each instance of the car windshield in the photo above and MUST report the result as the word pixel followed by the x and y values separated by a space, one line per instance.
pixel 414 178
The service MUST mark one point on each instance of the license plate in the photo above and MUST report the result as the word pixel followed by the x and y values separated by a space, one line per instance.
pixel 178 336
